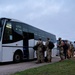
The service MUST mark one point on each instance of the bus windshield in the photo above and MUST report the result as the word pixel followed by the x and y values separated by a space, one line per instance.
pixel 1 27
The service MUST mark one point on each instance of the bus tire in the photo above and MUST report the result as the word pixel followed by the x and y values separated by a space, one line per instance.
pixel 17 57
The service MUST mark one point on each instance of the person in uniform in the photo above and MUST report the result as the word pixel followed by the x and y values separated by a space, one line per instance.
pixel 61 50
pixel 49 51
pixel 40 55
pixel 71 50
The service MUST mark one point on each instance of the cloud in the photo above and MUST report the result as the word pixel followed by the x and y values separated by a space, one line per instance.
pixel 43 8
pixel 50 15
pixel 32 9
pixel 7 9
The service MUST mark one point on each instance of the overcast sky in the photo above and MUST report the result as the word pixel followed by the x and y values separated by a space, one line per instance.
pixel 54 16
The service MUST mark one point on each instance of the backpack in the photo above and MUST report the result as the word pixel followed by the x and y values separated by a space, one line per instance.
pixel 44 48
pixel 35 47
pixel 66 46
pixel 51 45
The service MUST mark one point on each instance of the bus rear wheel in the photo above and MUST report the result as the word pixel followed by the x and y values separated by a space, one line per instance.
pixel 17 57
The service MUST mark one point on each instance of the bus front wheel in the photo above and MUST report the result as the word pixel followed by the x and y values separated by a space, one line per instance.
pixel 17 57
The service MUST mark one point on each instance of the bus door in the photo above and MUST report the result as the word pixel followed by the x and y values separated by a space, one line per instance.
pixel 31 44
pixel 25 45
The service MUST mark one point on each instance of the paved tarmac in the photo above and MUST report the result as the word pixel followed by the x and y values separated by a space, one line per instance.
pixel 8 69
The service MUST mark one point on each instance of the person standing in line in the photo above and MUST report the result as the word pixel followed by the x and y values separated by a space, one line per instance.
pixel 61 50
pixel 71 50
pixel 74 48
pixel 49 51
pixel 74 45
pixel 40 56
pixel 66 47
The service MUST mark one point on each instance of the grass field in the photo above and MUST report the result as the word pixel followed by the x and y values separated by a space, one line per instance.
pixel 66 67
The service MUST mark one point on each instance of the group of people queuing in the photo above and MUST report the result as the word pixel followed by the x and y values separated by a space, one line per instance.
pixel 40 51
pixel 66 49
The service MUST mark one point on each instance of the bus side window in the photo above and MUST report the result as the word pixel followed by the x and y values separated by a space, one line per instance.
pixel 7 36
pixel 17 31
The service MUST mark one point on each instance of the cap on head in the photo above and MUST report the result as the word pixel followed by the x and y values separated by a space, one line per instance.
pixel 59 38
pixel 48 38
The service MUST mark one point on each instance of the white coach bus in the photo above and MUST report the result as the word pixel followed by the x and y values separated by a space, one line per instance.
pixel 17 40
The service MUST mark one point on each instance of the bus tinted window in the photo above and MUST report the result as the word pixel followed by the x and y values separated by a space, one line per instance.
pixel 17 31
pixel 7 37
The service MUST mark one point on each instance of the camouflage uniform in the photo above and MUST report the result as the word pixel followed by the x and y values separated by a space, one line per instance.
pixel 61 51
pixel 40 56
pixel 71 50
pixel 49 51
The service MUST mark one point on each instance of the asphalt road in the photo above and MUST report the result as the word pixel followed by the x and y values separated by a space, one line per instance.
pixel 10 68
